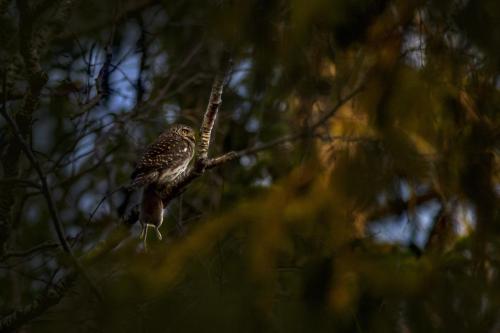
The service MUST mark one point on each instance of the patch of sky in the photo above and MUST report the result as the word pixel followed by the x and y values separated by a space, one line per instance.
pixel 160 59
pixel 82 153
pixel 404 190
pixel 79 186
pixel 123 83
pixel 85 68
pixel 171 112
pixel 239 74
pixel 88 202
pixel 241 110
pixel 252 125
pixel 41 141
pixel 127 69
pixel 57 75
pixel 124 69
pixel 265 180
pixel 72 231
pixel 401 230
pixel 414 48
pixel 32 213
pixel 248 161
pixel 424 222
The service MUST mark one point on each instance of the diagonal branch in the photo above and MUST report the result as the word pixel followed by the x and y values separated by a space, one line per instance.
pixel 214 102
pixel 12 321
pixel 17 318
pixel 232 155
pixel 341 101
pixel 29 252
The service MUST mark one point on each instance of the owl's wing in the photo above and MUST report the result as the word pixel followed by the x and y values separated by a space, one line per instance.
pixel 164 153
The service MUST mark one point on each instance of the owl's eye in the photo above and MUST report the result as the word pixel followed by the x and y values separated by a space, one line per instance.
pixel 185 131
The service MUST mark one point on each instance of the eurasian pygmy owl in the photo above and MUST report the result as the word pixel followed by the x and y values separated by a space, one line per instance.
pixel 162 162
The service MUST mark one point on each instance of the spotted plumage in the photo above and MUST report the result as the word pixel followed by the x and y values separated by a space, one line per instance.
pixel 166 158
pixel 162 162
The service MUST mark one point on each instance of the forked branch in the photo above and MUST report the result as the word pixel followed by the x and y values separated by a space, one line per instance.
pixel 203 162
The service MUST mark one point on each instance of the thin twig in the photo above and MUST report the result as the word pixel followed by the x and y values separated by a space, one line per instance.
pixel 29 252
pixel 19 182
pixel 104 198
pixel 49 199
pixel 341 101
pixel 17 318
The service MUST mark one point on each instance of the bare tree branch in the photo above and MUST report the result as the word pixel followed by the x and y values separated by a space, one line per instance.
pixel 49 199
pixel 19 182
pixel 33 250
pixel 214 102
pixel 29 44
pixel 19 317
pixel 341 101
pixel 129 10
pixel 45 187
pixel 36 80
pixel 53 296
pixel 287 138
pixel 203 162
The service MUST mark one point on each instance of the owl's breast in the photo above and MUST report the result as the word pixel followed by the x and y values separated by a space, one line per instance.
pixel 170 174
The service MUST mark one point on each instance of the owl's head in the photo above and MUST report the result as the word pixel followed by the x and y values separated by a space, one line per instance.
pixel 184 131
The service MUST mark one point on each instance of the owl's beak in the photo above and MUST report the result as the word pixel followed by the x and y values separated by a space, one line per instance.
pixel 193 137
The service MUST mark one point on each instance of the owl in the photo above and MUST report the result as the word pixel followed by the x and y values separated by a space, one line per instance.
pixel 162 162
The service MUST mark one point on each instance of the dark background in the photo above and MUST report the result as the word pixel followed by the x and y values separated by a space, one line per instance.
pixel 377 211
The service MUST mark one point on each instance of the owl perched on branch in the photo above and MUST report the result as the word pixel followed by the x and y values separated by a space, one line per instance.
pixel 162 162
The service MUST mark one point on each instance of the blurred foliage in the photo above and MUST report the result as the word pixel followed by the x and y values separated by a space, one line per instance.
pixel 400 100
